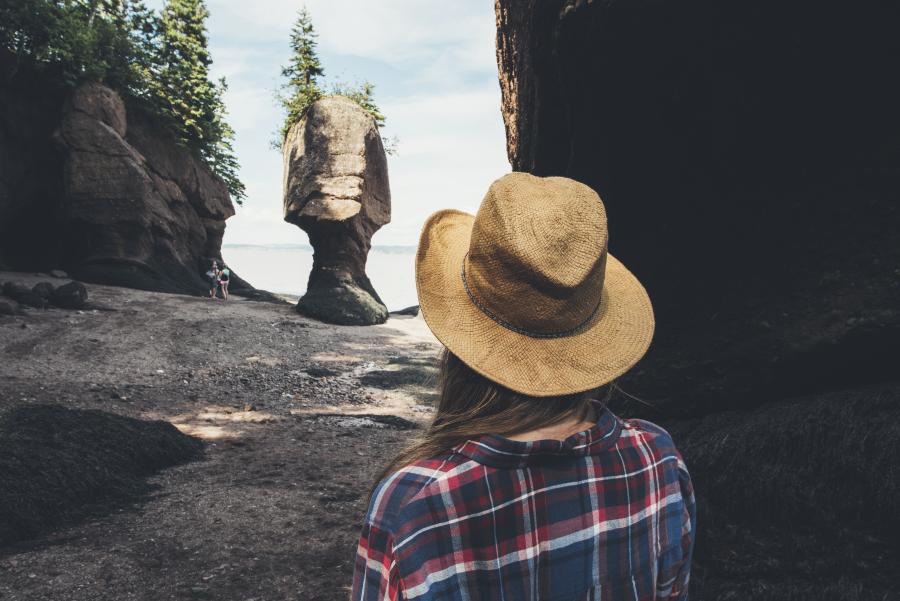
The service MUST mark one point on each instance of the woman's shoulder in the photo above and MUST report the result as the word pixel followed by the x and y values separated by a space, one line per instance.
pixel 398 489
pixel 649 433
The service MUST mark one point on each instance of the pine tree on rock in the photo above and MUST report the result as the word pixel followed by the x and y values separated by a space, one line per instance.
pixel 303 86
pixel 183 83
pixel 221 155
pixel 187 95
pixel 302 73
pixel 362 94
pixel 161 62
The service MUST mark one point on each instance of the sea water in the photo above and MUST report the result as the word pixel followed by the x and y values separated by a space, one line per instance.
pixel 284 269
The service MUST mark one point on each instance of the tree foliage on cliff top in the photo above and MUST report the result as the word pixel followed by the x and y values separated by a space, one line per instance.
pixel 303 85
pixel 162 61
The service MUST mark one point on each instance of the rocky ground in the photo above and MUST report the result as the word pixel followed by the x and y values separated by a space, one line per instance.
pixel 297 417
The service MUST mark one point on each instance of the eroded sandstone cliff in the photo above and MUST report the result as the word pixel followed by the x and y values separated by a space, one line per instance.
pixel 749 158
pixel 101 190
pixel 748 155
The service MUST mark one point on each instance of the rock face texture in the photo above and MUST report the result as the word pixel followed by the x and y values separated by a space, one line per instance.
pixel 748 155
pixel 751 186
pixel 336 189
pixel 102 191
pixel 30 183
pixel 141 211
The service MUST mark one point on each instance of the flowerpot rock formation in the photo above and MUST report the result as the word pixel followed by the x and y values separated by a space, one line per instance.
pixel 336 190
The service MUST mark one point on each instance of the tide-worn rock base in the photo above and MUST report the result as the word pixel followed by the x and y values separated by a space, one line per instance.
pixel 343 300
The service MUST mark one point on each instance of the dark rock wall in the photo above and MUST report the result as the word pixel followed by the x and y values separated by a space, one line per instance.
pixel 748 155
pixel 749 158
pixel 101 190
pixel 30 167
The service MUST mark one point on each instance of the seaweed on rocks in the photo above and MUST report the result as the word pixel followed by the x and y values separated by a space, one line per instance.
pixel 55 463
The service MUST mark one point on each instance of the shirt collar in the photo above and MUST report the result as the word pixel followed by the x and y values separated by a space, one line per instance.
pixel 498 451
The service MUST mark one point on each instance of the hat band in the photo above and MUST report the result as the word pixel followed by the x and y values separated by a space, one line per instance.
pixel 493 316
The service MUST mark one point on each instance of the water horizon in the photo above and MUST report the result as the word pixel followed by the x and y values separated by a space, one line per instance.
pixel 283 268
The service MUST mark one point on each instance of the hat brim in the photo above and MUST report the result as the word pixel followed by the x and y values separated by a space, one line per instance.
pixel 617 337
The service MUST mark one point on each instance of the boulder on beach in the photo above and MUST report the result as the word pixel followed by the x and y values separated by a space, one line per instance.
pixel 412 311
pixel 336 189
pixel 93 187
pixel 24 295
pixel 70 296
pixel 9 307
pixel 43 289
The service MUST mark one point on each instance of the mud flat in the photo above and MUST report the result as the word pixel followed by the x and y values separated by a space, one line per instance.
pixel 296 417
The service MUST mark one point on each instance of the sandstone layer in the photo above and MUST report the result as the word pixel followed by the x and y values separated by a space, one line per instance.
pixel 99 188
pixel 336 189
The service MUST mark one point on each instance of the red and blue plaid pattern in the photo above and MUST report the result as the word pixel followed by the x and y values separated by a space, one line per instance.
pixel 608 513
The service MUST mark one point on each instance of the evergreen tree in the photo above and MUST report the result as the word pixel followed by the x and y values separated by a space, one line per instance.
pixel 221 155
pixel 142 26
pixel 302 73
pixel 302 87
pixel 182 84
pixel 81 39
pixel 184 92
pixel 161 62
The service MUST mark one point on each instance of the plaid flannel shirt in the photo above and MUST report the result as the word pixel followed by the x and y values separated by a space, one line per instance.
pixel 608 513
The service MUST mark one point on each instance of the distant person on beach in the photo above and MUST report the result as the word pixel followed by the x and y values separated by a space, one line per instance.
pixel 224 278
pixel 213 275
pixel 526 486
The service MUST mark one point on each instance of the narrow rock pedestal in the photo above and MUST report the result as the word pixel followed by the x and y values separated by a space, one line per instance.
pixel 336 190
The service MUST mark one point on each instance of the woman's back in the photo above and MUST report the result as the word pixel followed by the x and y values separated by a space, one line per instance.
pixel 538 320
pixel 605 514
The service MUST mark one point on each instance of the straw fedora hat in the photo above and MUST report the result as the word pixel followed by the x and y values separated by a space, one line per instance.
pixel 525 292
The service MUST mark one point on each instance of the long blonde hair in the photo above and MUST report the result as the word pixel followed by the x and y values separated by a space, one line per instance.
pixel 470 405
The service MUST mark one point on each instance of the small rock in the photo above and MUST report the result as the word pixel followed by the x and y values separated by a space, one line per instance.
pixel 414 311
pixel 9 308
pixel 44 290
pixel 70 296
pixel 249 407
pixel 23 295
pixel 59 273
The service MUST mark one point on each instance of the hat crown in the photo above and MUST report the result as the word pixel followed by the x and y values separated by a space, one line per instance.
pixel 537 255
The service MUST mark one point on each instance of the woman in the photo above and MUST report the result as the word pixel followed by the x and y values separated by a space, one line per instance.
pixel 224 278
pixel 213 275
pixel 526 486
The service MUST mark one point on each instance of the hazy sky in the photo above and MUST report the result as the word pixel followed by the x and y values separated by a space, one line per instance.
pixel 435 73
